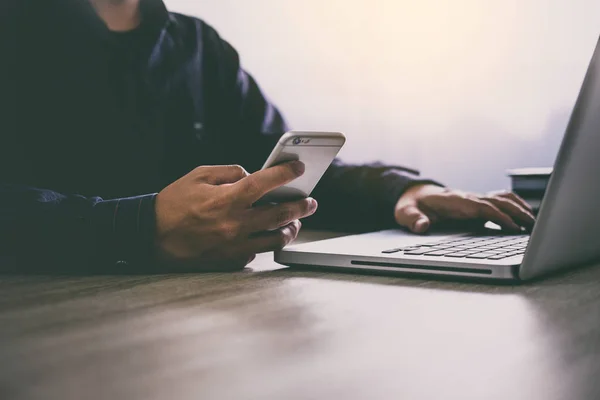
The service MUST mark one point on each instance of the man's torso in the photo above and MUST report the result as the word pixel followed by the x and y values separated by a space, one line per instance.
pixel 103 114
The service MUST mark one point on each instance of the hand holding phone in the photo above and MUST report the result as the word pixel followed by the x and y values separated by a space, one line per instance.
pixel 316 150
pixel 207 218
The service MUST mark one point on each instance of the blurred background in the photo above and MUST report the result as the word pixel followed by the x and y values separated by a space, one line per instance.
pixel 460 89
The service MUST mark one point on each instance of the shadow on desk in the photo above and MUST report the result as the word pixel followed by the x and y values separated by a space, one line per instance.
pixel 10 266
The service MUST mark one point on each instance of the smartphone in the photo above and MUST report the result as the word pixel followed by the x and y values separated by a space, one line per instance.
pixel 316 150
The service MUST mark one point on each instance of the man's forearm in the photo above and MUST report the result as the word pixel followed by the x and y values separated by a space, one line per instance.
pixel 360 197
pixel 40 227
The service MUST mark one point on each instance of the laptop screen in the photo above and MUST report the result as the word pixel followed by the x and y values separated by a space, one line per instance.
pixel 567 232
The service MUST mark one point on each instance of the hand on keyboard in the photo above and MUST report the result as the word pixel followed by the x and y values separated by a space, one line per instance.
pixel 423 205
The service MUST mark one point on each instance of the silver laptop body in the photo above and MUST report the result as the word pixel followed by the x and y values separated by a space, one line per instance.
pixel 566 234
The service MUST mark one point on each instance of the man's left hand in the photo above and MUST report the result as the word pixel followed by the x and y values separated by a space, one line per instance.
pixel 421 206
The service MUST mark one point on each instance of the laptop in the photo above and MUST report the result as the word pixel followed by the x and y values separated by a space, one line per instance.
pixel 566 233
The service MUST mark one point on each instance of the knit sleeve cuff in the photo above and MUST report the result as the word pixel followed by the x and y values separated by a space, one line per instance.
pixel 126 228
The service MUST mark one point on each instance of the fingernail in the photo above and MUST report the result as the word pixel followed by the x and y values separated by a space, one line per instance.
pixel 298 167
pixel 420 225
pixel 313 205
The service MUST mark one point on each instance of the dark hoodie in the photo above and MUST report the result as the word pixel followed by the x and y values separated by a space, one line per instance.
pixel 95 123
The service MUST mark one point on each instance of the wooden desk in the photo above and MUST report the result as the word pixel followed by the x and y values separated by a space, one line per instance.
pixel 273 333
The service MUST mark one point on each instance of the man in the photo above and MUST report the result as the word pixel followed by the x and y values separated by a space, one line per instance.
pixel 123 127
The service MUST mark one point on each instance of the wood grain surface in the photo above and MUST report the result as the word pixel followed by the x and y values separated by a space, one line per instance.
pixel 273 333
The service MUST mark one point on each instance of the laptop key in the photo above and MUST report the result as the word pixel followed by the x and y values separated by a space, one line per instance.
pixel 418 252
pixel 487 247
pixel 457 255
pixel 471 242
pixel 390 251
pixel 438 253
pixel 497 257
pixel 481 255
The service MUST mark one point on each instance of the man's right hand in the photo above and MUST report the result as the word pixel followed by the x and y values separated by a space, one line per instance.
pixel 206 219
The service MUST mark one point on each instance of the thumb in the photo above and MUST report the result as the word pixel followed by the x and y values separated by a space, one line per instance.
pixel 413 218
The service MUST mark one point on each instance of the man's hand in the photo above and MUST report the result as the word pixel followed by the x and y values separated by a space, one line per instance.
pixel 423 205
pixel 206 219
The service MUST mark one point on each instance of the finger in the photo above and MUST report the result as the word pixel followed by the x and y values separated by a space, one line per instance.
pixel 451 205
pixel 411 217
pixel 255 186
pixel 274 240
pixel 519 200
pixel 270 217
pixel 490 212
pixel 511 196
pixel 220 174
pixel 514 210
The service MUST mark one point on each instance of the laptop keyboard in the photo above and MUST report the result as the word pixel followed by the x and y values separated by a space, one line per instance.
pixel 474 247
